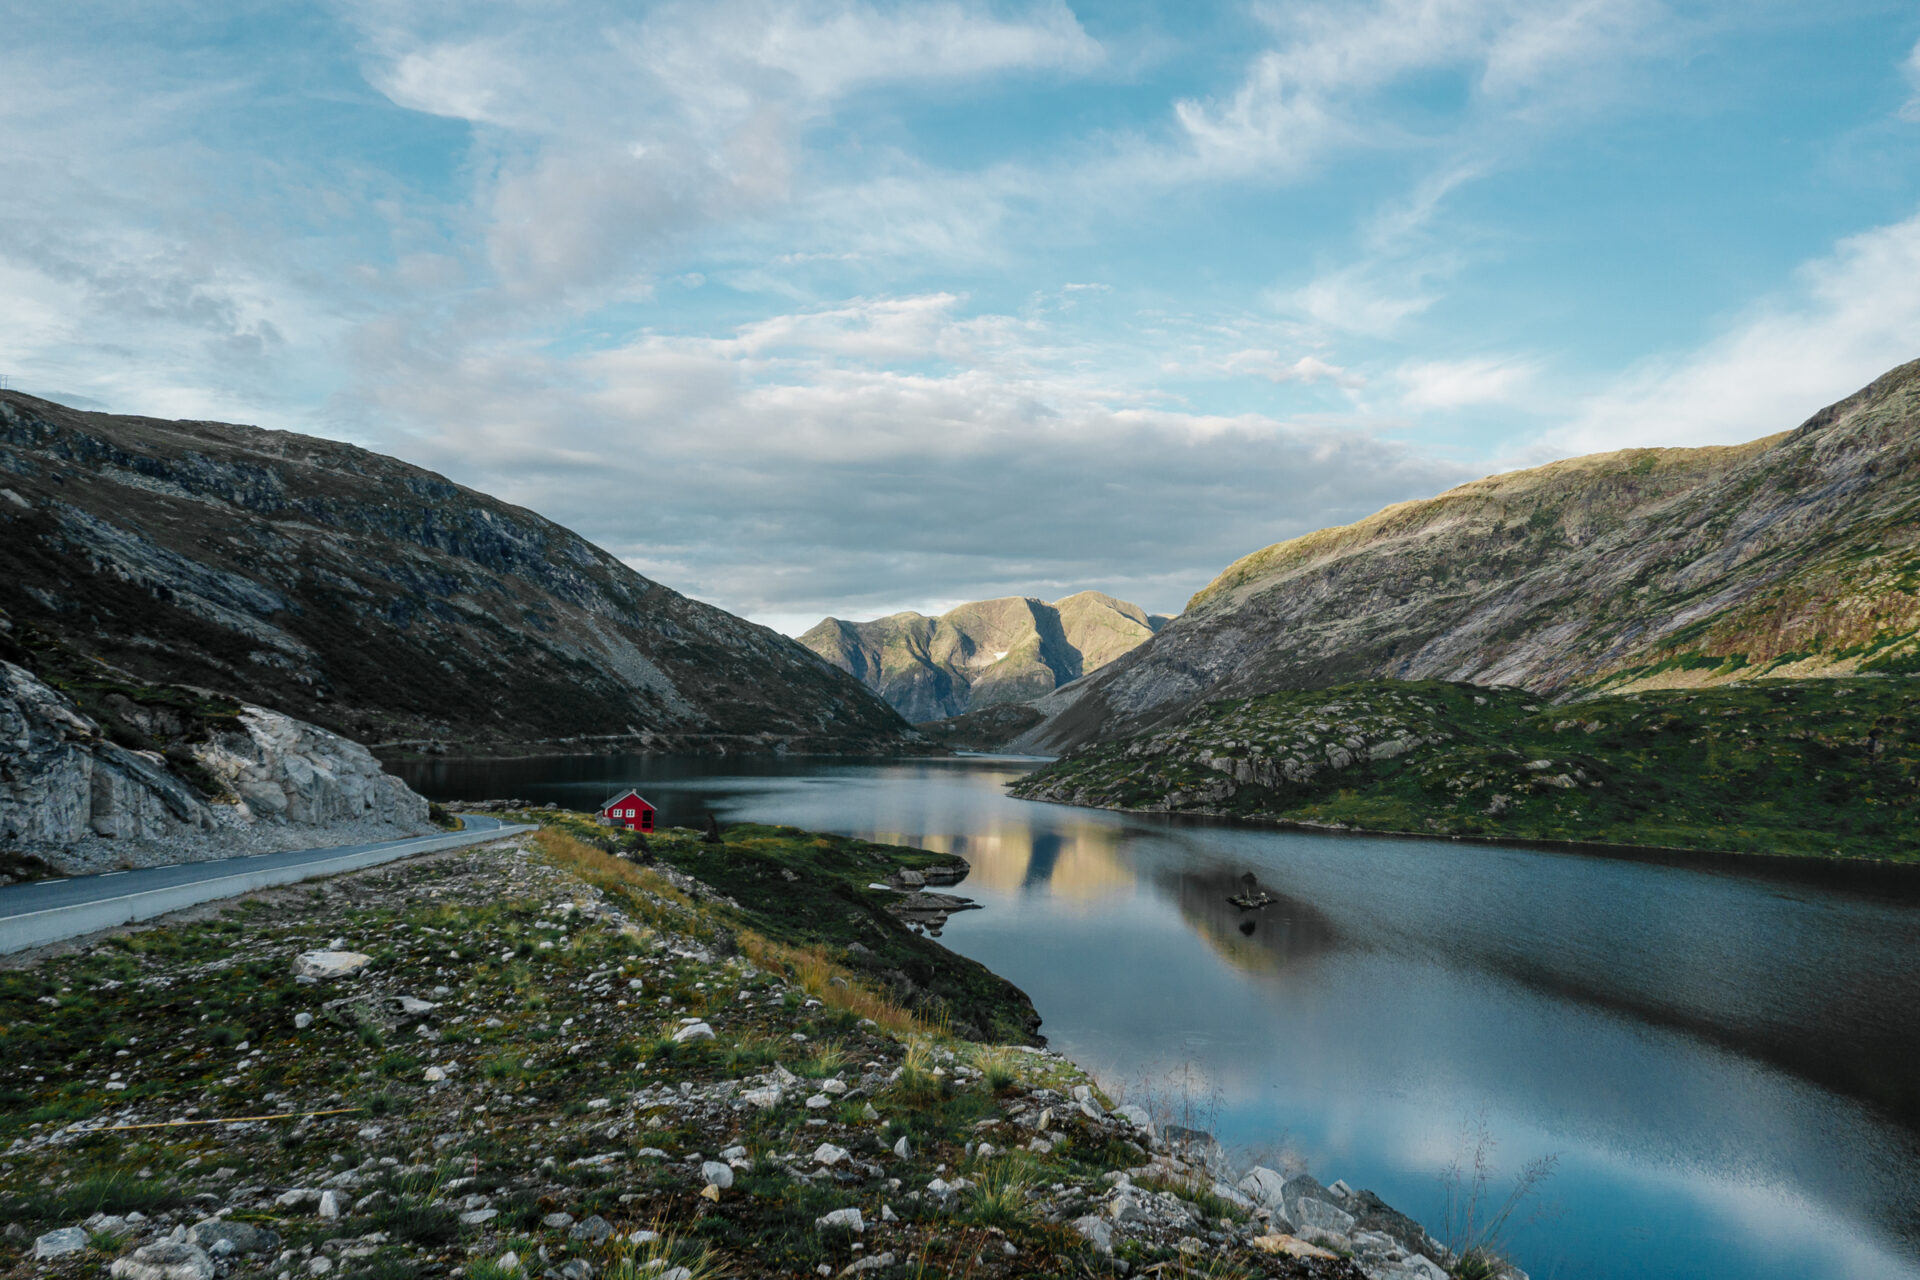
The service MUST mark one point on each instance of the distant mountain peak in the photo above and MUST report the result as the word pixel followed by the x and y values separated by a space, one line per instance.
pixel 985 653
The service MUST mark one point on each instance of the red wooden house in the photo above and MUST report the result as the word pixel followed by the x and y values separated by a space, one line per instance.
pixel 628 810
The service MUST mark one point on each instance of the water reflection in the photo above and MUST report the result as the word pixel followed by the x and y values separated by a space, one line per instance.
pixel 1725 1066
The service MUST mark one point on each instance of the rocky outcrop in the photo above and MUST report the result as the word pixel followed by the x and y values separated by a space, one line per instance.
pixel 1646 568
pixel 985 654
pixel 380 600
pixel 76 801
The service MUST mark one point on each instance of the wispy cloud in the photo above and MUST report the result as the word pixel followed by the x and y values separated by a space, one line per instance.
pixel 1851 316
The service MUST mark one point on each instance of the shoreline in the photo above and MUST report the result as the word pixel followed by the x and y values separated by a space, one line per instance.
pixel 1892 879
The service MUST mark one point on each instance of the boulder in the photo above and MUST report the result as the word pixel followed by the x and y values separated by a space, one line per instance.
pixel 841 1220
pixel 330 964
pixel 1263 1186
pixel 594 1230
pixel 717 1174
pixel 693 1032
pixel 165 1260
pixel 56 1244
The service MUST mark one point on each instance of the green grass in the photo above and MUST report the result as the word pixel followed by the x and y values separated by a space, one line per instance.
pixel 1825 768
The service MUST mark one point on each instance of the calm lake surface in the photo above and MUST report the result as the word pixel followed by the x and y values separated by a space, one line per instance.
pixel 1725 1068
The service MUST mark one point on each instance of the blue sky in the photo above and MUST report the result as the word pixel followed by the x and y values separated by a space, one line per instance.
pixel 849 307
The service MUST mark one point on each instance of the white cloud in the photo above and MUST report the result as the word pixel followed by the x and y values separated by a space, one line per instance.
pixel 1854 314
pixel 1457 384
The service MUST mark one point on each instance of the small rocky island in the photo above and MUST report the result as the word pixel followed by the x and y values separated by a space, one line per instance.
pixel 565 1055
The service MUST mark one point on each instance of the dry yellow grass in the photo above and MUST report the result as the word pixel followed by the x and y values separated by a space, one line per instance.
pixel 813 969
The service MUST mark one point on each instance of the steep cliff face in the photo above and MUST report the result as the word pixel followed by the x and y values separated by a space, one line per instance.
pixel 77 801
pixel 1793 555
pixel 378 599
pixel 984 654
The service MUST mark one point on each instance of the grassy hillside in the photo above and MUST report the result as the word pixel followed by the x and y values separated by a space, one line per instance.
pixel 1814 767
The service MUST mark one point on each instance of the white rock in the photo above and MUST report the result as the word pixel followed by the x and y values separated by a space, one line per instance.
pixel 55 1244
pixel 301 1021
pixel 836 1087
pixel 409 1005
pixel 168 1259
pixel 1263 1186
pixel 508 1261
pixel 330 964
pixel 433 1075
pixel 717 1174
pixel 841 1220
pixel 818 1101
pixel 903 1148
pixel 320 1266
pixel 828 1154
pixel 330 1204
pixel 698 1031
pixel 1136 1116
pixel 765 1099
pixel 474 1217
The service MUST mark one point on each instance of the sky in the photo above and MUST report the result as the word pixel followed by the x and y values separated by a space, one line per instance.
pixel 821 306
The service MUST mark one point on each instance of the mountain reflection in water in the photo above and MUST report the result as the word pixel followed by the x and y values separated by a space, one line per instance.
pixel 1725 1066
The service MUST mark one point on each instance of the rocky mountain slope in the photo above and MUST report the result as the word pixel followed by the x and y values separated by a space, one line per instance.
pixel 378 599
pixel 983 654
pixel 232 779
pixel 1793 555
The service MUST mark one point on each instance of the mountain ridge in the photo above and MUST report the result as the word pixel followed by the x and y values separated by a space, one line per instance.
pixel 982 654
pixel 1793 554
pixel 380 600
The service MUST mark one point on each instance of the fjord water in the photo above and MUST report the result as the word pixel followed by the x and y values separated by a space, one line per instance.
pixel 1725 1068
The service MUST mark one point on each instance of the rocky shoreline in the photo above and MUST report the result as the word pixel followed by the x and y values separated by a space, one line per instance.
pixel 539 1059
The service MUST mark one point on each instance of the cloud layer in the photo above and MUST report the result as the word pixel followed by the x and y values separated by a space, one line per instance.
pixel 812 306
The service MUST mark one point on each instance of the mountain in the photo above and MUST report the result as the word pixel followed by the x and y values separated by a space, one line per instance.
pixel 1793 555
pixel 377 599
pixel 982 654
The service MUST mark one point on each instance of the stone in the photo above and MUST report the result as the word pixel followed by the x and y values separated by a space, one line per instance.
pixel 576 1269
pixel 876 1262
pixel 1310 1214
pixel 55 1244
pixel 1264 1186
pixel 165 1260
pixel 819 1101
pixel 433 1075
pixel 321 965
pixel 903 1148
pixel 690 1034
pixel 508 1261
pixel 835 1087
pixel 106 1224
pixel 1291 1246
pixel 320 1266
pixel 329 1204
pixel 475 1217
pixel 717 1174
pixel 1423 1267
pixel 557 1221
pixel 244 1237
pixel 594 1230
pixel 841 1220
pixel 828 1154
pixel 1136 1116
pixel 301 1021
pixel 765 1099
pixel 412 1007
pixel 1097 1231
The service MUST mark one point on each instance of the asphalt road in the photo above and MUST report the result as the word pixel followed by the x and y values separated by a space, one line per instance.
pixel 42 911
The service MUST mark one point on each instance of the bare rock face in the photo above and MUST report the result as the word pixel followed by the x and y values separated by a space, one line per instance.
pixel 80 802
pixel 285 770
